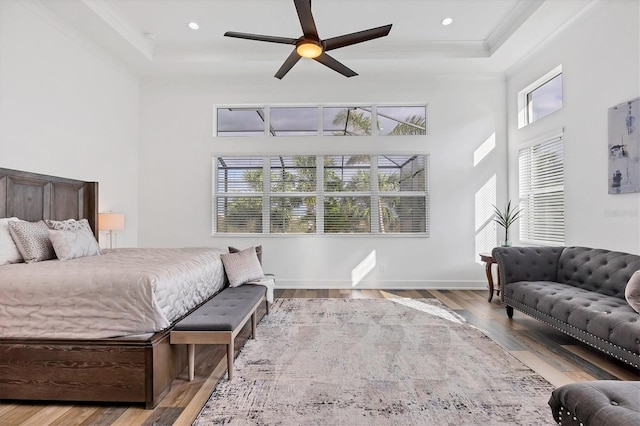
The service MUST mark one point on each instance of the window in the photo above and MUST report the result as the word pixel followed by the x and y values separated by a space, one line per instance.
pixel 541 187
pixel 545 99
pixel 321 194
pixel 402 120
pixel 540 98
pixel 343 120
pixel 346 121
pixel 295 121
pixel 239 205
pixel 292 202
pixel 240 121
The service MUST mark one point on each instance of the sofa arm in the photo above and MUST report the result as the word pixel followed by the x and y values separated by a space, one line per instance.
pixel 527 263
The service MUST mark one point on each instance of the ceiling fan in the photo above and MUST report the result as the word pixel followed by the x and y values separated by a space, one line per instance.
pixel 309 45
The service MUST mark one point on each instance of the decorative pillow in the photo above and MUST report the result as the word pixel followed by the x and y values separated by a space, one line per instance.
pixel 65 225
pixel 9 252
pixel 258 252
pixel 32 240
pixel 632 291
pixel 74 243
pixel 242 267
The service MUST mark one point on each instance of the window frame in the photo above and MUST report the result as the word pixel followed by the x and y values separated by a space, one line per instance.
pixel 524 97
pixel 268 132
pixel 321 194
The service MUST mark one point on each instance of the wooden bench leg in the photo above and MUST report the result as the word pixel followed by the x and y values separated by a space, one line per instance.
pixel 254 323
pixel 230 359
pixel 191 349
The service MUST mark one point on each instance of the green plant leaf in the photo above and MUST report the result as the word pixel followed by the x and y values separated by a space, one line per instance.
pixel 506 217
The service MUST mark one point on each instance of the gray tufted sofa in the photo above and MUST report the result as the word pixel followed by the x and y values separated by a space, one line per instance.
pixel 603 402
pixel 577 290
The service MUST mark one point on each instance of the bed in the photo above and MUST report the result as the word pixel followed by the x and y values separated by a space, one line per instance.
pixel 94 328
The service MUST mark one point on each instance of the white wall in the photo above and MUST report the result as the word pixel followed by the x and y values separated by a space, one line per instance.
pixel 600 58
pixel 463 113
pixel 68 109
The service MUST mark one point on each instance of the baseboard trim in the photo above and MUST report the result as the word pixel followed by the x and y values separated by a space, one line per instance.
pixel 381 285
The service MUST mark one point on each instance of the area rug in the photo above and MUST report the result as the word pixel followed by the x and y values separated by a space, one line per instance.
pixel 375 362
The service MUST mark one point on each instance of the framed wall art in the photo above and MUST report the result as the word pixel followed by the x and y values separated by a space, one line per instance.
pixel 624 147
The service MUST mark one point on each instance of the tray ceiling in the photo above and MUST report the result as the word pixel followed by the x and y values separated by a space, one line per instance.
pixel 152 36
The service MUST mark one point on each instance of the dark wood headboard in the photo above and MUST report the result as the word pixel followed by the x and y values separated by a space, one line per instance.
pixel 33 197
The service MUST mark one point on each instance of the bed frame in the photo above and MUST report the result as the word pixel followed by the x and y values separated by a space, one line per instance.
pixel 131 370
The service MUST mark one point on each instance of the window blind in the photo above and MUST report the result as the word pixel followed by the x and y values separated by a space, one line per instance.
pixel 238 201
pixel 322 194
pixel 292 180
pixel 541 188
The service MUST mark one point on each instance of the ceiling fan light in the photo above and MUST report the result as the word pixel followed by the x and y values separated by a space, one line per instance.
pixel 309 50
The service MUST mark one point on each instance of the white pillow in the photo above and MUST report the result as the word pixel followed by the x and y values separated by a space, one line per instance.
pixel 242 267
pixel 632 291
pixel 32 240
pixel 9 252
pixel 74 243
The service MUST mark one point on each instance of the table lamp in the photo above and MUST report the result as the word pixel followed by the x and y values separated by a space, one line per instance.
pixel 110 222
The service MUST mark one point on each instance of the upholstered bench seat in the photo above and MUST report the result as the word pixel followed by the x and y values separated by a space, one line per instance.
pixel 219 320
pixel 604 402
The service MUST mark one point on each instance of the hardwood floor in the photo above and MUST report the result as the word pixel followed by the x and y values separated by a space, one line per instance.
pixel 555 356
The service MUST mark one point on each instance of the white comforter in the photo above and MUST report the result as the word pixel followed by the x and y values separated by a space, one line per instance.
pixel 123 292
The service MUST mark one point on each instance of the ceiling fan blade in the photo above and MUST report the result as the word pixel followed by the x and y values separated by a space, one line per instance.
pixel 335 65
pixel 306 19
pixel 358 37
pixel 288 64
pixel 259 37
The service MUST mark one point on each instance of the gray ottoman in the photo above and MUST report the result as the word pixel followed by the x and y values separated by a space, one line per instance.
pixel 603 402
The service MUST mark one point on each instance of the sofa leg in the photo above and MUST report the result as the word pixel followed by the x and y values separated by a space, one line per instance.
pixel 510 311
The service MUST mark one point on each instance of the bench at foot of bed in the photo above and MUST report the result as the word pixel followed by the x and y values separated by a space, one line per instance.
pixel 219 321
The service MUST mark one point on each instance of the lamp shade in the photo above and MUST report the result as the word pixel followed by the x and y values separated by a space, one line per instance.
pixel 111 221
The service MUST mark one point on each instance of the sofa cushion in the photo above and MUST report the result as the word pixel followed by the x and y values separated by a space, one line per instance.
pixel 597 270
pixel 606 317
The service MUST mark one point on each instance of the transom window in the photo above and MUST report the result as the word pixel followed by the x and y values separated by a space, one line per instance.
pixel 321 194
pixel 343 120
pixel 540 98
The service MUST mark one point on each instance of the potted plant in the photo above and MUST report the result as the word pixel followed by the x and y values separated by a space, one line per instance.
pixel 505 218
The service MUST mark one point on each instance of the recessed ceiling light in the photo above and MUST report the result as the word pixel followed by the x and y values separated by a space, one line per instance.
pixel 447 21
pixel 150 36
pixel 194 25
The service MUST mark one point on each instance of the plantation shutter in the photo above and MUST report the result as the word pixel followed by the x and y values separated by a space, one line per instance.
pixel 541 187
